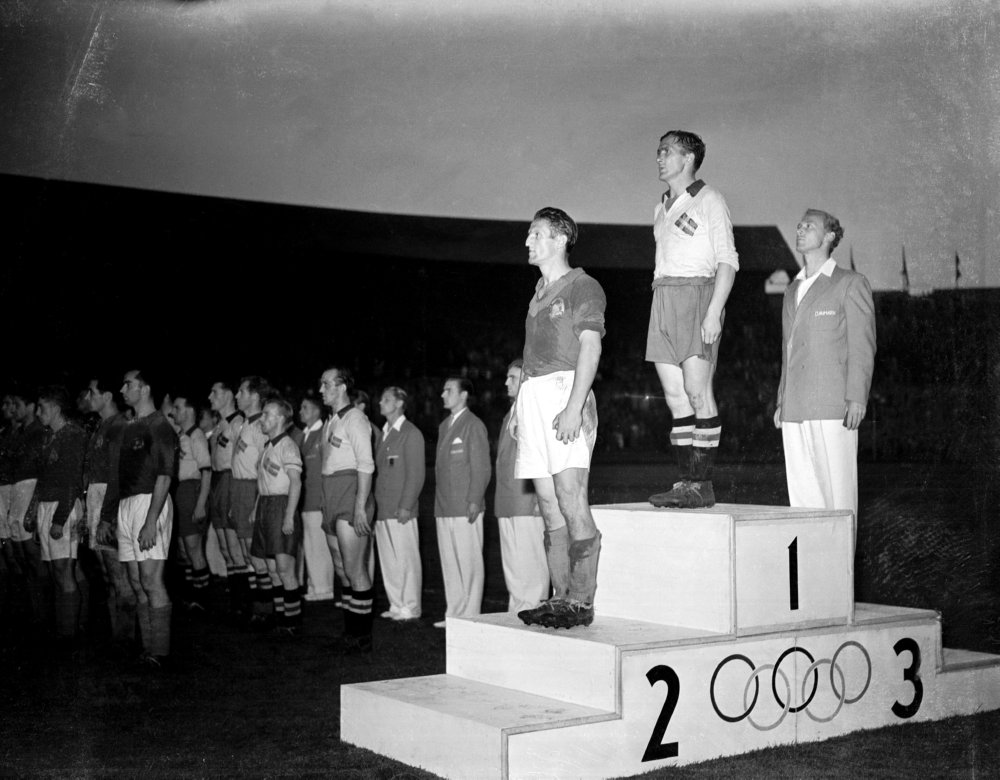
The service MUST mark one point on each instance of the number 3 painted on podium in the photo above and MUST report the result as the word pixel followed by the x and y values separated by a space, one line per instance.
pixel 655 750
pixel 912 675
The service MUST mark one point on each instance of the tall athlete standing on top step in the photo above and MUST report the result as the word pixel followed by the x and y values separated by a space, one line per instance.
pixel 696 264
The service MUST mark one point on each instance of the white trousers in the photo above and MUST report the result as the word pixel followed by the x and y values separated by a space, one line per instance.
pixel 821 464
pixel 525 568
pixel 319 563
pixel 460 544
pixel 402 574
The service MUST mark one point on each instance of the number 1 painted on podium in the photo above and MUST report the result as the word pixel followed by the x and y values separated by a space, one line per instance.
pixel 793 574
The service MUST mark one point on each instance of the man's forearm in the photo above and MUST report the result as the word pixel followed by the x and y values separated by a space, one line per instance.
pixel 725 275
pixel 160 492
pixel 364 488
pixel 586 370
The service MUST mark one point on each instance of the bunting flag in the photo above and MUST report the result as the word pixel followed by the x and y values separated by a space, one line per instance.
pixel 905 273
pixel 853 267
pixel 958 270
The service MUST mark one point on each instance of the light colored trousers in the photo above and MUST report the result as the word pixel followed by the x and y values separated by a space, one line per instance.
pixel 460 544
pixel 402 574
pixel 821 464
pixel 525 568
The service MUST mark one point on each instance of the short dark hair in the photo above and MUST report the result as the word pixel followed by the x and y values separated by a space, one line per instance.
pixel 150 379
pixel 108 384
pixel 258 386
pixel 516 363
pixel 689 142
pixel 464 384
pixel 560 223
pixel 20 392
pixel 58 395
pixel 361 397
pixel 346 377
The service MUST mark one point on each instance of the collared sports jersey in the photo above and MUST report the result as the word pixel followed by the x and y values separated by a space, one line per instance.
pixel 249 443
pixel 102 450
pixel 148 450
pixel 62 469
pixel 194 454
pixel 26 451
pixel 694 235
pixel 570 305
pixel 223 441
pixel 347 442
pixel 280 456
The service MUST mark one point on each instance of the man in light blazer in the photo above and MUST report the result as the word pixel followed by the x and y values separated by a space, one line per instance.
pixel 828 355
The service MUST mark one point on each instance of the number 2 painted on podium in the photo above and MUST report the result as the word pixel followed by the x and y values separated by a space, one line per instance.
pixel 655 749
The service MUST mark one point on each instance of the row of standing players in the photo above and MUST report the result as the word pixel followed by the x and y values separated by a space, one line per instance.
pixel 254 482
pixel 271 494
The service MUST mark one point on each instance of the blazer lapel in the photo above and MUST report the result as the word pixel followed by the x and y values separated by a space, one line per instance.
pixel 815 291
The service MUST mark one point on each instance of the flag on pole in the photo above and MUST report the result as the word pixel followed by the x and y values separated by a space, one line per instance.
pixel 853 267
pixel 905 273
pixel 958 271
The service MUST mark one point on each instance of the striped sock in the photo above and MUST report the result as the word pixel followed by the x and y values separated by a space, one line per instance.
pixel 293 608
pixel 263 602
pixel 199 582
pixel 681 436
pixel 361 606
pixel 706 442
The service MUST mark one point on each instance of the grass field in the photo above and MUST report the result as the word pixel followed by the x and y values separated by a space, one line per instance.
pixel 239 704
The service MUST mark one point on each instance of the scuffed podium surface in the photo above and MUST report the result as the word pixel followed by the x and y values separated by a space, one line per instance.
pixel 718 631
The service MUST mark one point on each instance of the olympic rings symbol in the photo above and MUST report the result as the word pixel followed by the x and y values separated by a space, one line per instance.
pixel 836 673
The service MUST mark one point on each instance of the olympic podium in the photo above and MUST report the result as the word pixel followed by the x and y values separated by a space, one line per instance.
pixel 718 632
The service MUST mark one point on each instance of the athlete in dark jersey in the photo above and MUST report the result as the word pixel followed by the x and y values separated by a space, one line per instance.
pixel 146 466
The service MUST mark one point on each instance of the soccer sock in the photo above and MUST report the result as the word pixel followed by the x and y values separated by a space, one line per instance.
pixel 188 583
pixel 142 611
pixel 263 603
pixel 706 442
pixel 584 555
pixel 293 607
pixel 125 604
pixel 199 584
pixel 362 601
pixel 159 623
pixel 681 433
pixel 557 557
pixel 67 609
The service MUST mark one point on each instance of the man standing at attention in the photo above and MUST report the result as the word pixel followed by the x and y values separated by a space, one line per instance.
pixel 222 443
pixel 101 482
pixel 146 462
pixel 522 530
pixel 696 264
pixel 249 441
pixel 827 360
pixel 194 477
pixel 348 467
pixel 462 472
pixel 557 416
pixel 399 462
